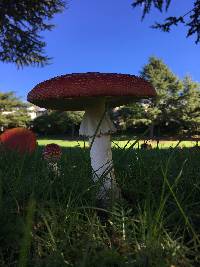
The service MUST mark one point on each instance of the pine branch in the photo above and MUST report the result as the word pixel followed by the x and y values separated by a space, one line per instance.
pixel 21 23
pixel 166 27
pixel 193 23
pixel 148 4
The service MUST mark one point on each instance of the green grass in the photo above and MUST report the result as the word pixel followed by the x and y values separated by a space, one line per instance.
pixel 62 143
pixel 67 143
pixel 53 220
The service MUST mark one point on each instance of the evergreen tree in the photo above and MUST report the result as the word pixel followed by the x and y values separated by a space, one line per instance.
pixel 190 106
pixel 163 109
pixel 161 112
pixel 190 19
pixel 13 112
pixel 20 24
pixel 176 109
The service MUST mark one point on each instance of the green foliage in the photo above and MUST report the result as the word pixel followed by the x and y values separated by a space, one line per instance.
pixel 8 101
pixel 26 241
pixel 163 110
pixel 131 117
pixel 20 24
pixel 17 111
pixel 58 122
pixel 193 23
pixel 189 103
pixel 147 5
pixel 175 110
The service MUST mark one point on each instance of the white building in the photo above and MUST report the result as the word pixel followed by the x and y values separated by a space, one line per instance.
pixel 33 111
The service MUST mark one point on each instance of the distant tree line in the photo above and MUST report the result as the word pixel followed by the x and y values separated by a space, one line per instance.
pixel 58 123
pixel 175 110
pixel 14 113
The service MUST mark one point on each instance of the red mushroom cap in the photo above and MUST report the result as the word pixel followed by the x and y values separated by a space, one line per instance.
pixel 52 152
pixel 77 91
pixel 19 139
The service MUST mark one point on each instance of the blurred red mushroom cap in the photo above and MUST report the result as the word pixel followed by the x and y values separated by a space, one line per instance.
pixel 52 152
pixel 19 139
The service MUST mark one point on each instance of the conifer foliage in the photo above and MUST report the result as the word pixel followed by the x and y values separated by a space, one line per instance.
pixel 163 110
pixel 175 110
pixel 13 111
pixel 21 22
pixel 190 105
pixel 191 19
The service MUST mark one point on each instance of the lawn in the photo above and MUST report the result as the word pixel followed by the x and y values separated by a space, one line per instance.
pixel 52 219
pixel 115 143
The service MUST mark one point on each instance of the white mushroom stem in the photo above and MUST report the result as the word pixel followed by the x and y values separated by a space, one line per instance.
pixel 97 125
pixel 53 166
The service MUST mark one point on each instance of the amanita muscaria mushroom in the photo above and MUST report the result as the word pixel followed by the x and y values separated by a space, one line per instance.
pixel 52 154
pixel 93 92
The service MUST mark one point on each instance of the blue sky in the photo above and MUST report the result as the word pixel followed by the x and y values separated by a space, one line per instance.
pixel 107 36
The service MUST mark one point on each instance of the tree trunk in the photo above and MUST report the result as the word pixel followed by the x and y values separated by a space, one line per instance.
pixel 151 131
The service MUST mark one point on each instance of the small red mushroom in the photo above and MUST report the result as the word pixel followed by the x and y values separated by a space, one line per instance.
pixel 93 92
pixel 19 139
pixel 52 152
